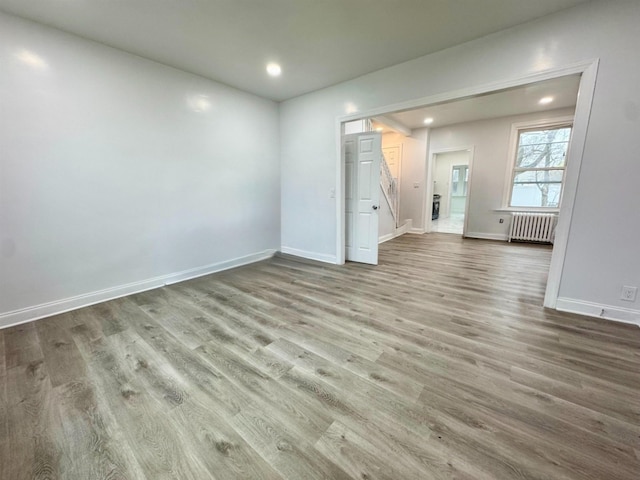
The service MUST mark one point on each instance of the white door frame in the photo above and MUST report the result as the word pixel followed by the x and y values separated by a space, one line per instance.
pixel 589 71
pixel 429 183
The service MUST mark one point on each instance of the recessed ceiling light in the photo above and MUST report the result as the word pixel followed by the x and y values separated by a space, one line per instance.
pixel 428 121
pixel 545 100
pixel 274 69
pixel 379 129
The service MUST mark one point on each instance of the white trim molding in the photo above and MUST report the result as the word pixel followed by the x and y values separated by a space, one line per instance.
pixel 608 312
pixel 401 230
pixel 487 236
pixel 503 84
pixel 526 209
pixel 430 172
pixel 320 257
pixel 29 314
pixel 581 120
pixel 386 238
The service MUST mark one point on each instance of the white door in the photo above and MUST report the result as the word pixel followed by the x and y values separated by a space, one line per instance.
pixel 362 195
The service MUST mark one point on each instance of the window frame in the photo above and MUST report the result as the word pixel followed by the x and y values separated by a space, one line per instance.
pixel 516 129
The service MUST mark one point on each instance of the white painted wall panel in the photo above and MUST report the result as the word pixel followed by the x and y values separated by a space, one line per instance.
pixel 115 169
pixel 606 225
pixel 412 184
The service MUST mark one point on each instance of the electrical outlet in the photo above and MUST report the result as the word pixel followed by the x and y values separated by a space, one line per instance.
pixel 629 293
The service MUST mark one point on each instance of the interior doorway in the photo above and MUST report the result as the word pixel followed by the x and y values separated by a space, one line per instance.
pixel 586 73
pixel 451 180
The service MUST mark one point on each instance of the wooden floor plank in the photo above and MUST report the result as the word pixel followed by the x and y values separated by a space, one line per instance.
pixel 292 457
pixel 34 435
pixel 359 457
pixel 438 363
pixel 22 345
pixel 94 446
pixel 161 450
pixel 62 357
pixel 2 355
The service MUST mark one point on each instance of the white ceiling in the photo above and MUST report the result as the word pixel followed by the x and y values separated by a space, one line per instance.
pixel 515 101
pixel 317 42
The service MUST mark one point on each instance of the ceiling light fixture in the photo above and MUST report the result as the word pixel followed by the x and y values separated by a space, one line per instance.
pixel 379 129
pixel 428 121
pixel 274 69
pixel 545 100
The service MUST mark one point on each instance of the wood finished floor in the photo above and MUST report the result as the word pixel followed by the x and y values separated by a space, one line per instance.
pixel 437 364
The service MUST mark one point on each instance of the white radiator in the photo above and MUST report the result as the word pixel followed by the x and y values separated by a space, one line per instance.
pixel 532 227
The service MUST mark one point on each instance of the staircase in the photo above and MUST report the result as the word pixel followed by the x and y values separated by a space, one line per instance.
pixel 390 224
pixel 389 186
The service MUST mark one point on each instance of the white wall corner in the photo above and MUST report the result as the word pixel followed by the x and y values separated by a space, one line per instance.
pixel 56 307
pixel 607 312
pixel 320 257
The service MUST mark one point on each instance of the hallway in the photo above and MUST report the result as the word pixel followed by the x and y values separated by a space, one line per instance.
pixel 452 224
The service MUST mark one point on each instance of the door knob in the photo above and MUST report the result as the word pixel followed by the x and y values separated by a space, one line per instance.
pixel 375 207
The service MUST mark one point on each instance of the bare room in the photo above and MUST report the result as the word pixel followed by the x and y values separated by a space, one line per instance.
pixel 319 240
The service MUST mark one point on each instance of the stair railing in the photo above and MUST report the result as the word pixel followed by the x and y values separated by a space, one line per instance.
pixel 389 186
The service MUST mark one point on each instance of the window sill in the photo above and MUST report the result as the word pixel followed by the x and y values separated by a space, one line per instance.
pixel 526 209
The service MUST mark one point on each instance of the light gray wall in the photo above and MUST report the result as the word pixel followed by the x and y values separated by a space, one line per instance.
pixel 412 184
pixel 115 170
pixel 606 226
pixel 491 159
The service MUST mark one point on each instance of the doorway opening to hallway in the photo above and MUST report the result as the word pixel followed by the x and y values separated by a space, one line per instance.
pixel 451 174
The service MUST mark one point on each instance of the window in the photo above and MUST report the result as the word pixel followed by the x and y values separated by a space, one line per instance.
pixel 459 180
pixel 540 160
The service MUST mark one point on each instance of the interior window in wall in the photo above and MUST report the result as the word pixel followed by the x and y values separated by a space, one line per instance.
pixel 540 161
pixel 459 180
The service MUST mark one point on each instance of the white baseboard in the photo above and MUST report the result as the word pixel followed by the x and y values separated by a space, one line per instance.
pixel 416 231
pixel 320 257
pixel 28 314
pixel 488 236
pixel 387 237
pixel 401 230
pixel 608 312
pixel 405 227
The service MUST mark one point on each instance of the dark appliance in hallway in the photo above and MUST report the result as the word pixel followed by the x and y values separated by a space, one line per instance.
pixel 435 211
